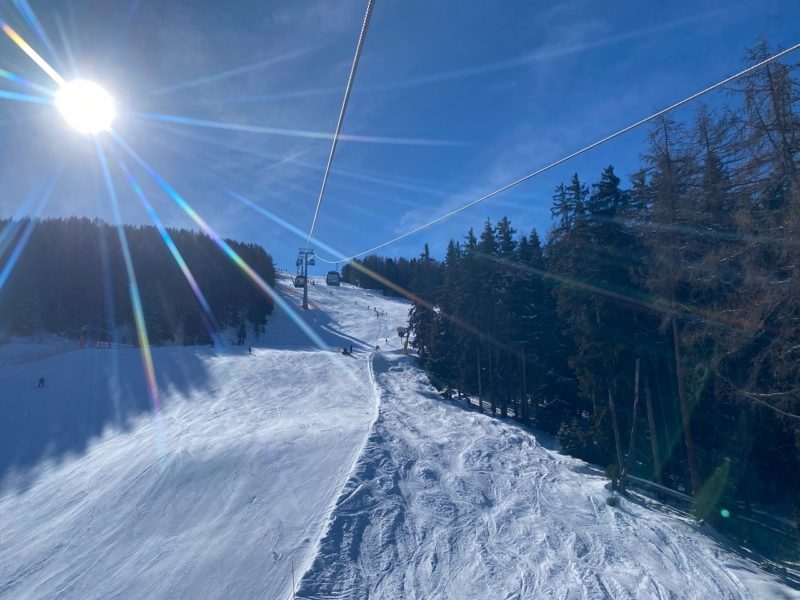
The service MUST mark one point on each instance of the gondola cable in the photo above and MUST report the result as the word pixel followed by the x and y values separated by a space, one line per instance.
pixel 348 88
pixel 568 157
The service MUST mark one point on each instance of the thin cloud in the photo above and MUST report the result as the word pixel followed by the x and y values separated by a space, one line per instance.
pixel 228 73
pixel 539 56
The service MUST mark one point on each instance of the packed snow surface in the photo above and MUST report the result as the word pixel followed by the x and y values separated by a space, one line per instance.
pixel 349 469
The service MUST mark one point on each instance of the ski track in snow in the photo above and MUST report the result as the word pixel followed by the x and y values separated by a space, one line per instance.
pixel 351 467
pixel 212 499
pixel 448 503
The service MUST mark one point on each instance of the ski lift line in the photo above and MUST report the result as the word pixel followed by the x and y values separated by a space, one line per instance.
pixel 575 154
pixel 342 110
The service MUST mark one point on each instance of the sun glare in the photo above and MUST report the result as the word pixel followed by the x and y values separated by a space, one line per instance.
pixel 86 106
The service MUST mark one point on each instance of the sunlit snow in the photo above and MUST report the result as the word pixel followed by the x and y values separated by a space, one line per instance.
pixel 349 467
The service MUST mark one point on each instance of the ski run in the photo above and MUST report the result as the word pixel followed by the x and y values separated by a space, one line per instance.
pixel 348 473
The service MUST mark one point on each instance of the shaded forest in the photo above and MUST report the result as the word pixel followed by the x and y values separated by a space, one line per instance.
pixel 71 280
pixel 656 329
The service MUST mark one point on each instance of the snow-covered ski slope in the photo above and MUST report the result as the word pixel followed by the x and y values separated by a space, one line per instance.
pixel 214 498
pixel 349 466
pixel 447 503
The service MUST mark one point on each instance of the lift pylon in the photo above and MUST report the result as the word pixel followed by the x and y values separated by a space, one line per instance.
pixel 304 258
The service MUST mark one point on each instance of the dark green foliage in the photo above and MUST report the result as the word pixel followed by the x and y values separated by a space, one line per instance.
pixel 71 280
pixel 693 270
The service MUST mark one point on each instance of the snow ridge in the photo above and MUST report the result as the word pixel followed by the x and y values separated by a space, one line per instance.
pixel 351 473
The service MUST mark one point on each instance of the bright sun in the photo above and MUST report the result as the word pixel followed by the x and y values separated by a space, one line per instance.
pixel 86 106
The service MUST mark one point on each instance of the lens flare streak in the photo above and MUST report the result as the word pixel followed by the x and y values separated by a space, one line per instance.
pixel 33 22
pixel 10 230
pixel 392 181
pixel 129 18
pixel 27 83
pixel 211 322
pixel 15 254
pixel 400 290
pixel 316 135
pixel 544 55
pixel 110 311
pixel 28 231
pixel 279 221
pixel 231 72
pixel 6 95
pixel 133 287
pixel 62 33
pixel 223 245
pixel 32 54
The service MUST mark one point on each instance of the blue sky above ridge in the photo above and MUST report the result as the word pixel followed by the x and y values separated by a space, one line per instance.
pixel 485 91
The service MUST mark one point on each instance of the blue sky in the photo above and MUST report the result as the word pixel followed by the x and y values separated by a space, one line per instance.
pixel 478 92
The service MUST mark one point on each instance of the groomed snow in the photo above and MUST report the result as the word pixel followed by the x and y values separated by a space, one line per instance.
pixel 348 466
pixel 216 496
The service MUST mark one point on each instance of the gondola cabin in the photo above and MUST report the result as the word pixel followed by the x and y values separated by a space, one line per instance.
pixel 300 281
pixel 333 278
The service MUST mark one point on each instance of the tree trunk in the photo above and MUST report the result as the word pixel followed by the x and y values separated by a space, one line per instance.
pixel 686 416
pixel 615 426
pixel 480 391
pixel 651 422
pixel 524 385
pixel 491 381
pixel 666 419
pixel 632 442
pixel 507 393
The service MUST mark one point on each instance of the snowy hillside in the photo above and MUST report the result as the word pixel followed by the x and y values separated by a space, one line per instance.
pixel 349 467
pixel 449 503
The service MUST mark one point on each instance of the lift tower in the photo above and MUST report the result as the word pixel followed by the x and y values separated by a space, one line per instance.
pixel 305 258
